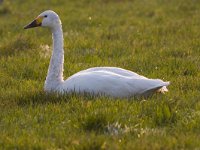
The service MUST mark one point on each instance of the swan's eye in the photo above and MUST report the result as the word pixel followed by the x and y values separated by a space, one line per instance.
pixel 45 16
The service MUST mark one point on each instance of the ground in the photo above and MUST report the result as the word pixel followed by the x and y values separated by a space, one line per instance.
pixel 157 38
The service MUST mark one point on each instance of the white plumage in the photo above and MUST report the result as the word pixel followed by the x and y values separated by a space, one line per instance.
pixel 109 81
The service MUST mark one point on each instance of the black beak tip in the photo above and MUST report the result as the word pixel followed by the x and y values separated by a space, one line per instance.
pixel 32 25
pixel 28 26
pixel 25 27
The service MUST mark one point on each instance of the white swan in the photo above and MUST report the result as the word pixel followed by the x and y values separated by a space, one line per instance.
pixel 109 81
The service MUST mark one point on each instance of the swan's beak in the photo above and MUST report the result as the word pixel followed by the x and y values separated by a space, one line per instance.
pixel 35 23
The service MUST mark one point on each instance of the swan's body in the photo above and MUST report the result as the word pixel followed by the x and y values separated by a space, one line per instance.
pixel 109 81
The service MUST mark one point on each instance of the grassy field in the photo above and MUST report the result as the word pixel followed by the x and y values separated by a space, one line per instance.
pixel 155 38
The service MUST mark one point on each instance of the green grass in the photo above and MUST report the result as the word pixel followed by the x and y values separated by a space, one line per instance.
pixel 155 38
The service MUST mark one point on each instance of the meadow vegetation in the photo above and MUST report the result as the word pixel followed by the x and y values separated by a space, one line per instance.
pixel 155 38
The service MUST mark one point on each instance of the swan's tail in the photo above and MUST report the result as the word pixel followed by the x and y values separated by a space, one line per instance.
pixel 159 88
pixel 163 89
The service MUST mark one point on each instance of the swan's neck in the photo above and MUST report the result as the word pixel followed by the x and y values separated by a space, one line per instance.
pixel 55 72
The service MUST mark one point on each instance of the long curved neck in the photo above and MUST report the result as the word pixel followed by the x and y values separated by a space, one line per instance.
pixel 55 72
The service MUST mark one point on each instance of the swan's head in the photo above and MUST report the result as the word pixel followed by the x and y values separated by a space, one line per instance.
pixel 46 19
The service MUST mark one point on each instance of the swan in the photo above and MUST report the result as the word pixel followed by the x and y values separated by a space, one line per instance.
pixel 109 81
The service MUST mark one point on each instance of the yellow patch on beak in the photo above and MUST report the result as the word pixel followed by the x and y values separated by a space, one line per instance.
pixel 39 20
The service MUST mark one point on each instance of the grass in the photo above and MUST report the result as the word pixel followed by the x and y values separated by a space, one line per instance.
pixel 158 39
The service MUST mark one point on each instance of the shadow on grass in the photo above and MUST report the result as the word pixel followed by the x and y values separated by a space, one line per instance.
pixel 95 123
pixel 39 98
pixel 92 144
pixel 4 8
pixel 42 98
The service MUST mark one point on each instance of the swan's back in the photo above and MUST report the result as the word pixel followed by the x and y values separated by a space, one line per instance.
pixel 115 70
